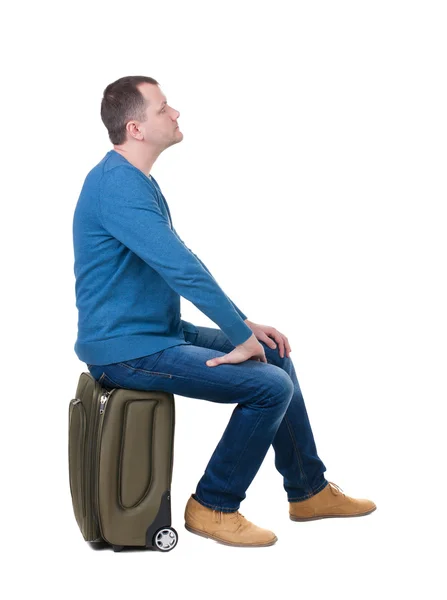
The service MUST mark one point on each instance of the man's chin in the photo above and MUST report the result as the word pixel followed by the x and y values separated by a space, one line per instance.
pixel 178 136
pixel 176 140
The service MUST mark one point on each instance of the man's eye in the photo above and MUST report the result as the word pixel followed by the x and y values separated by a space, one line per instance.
pixel 162 109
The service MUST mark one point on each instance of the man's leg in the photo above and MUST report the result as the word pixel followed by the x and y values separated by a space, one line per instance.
pixel 310 495
pixel 296 455
pixel 261 391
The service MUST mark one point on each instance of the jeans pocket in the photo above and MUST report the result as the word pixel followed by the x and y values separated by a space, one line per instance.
pixel 145 363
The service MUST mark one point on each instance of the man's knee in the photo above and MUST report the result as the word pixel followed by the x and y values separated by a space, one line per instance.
pixel 276 387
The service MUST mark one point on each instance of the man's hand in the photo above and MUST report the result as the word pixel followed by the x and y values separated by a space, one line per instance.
pixel 264 333
pixel 251 349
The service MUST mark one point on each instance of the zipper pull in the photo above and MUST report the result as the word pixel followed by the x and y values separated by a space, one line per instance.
pixel 103 403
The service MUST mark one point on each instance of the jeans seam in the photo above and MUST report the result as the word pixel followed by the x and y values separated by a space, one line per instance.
pixel 104 376
pixel 170 375
pixel 300 460
pixel 261 415
pixel 241 454
pixel 200 380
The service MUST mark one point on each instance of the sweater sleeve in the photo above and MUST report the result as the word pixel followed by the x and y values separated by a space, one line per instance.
pixel 242 315
pixel 130 212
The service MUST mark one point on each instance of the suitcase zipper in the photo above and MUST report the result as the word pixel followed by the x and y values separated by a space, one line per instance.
pixel 95 470
pixel 92 451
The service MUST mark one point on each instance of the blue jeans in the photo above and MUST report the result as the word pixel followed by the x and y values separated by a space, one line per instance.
pixel 269 410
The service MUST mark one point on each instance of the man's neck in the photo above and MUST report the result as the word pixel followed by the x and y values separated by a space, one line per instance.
pixel 137 159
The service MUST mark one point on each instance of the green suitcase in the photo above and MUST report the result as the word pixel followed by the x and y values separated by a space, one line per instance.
pixel 120 455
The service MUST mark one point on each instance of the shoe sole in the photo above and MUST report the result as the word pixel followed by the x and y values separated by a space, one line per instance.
pixel 293 518
pixel 220 541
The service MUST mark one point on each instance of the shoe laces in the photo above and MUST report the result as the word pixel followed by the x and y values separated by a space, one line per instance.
pixel 337 489
pixel 234 516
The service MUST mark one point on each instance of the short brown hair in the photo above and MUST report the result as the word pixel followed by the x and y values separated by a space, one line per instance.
pixel 122 101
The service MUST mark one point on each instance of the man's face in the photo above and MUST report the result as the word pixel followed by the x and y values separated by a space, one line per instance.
pixel 160 129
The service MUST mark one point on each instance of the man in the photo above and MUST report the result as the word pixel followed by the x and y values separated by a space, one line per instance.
pixel 131 268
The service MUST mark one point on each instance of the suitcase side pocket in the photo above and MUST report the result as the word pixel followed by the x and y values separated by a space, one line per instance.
pixel 76 451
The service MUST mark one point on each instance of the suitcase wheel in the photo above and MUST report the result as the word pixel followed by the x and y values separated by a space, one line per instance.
pixel 165 539
pixel 117 548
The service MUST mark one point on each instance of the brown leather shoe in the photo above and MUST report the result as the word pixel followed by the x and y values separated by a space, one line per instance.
pixel 330 502
pixel 230 528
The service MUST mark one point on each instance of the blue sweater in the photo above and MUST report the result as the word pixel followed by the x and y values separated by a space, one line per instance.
pixel 131 267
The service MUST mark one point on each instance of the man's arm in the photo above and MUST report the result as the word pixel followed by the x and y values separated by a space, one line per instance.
pixel 129 211
pixel 243 316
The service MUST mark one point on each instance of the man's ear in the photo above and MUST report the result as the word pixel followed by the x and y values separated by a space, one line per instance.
pixel 134 130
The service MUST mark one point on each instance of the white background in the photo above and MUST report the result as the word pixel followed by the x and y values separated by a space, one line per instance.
pixel 311 181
